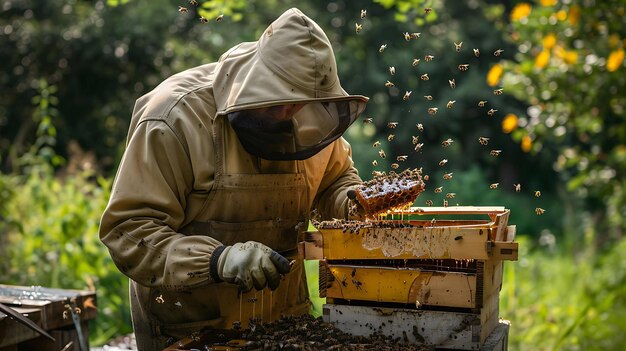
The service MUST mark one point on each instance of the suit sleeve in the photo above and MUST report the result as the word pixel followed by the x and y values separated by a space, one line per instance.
pixel 339 177
pixel 147 207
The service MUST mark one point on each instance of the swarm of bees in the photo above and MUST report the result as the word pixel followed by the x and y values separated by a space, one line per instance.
pixel 491 111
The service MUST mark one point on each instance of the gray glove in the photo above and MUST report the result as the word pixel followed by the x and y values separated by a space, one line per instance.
pixel 248 264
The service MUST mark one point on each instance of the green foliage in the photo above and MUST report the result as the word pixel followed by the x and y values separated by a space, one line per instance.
pixel 49 233
pixel 569 69
pixel 559 301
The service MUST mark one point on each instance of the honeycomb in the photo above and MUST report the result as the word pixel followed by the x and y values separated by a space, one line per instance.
pixel 389 191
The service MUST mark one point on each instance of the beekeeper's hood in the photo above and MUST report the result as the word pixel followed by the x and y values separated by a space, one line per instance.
pixel 290 68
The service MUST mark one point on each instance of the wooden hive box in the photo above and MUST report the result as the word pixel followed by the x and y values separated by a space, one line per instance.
pixel 441 273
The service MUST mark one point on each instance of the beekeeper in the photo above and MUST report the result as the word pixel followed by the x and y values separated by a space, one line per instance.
pixel 224 164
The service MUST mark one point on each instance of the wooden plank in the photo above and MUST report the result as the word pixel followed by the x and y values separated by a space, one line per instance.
pixel 13 333
pixel 450 330
pixel 501 223
pixel 411 243
pixel 489 316
pixel 504 251
pixel 402 285
pixel 51 302
pixel 510 233
pixel 498 340
pixel 452 210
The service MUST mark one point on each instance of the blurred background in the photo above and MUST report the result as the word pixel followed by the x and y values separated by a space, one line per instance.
pixel 71 71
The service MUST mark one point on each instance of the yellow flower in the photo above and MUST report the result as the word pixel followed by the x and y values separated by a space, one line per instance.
pixel 520 11
pixel 574 15
pixel 570 57
pixel 561 15
pixel 547 2
pixel 527 143
pixel 494 75
pixel 542 59
pixel 615 60
pixel 509 123
pixel 549 41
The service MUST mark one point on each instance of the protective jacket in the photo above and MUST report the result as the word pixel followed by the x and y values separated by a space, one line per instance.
pixel 185 184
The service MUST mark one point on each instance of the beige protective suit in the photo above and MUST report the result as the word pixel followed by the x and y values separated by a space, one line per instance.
pixel 185 185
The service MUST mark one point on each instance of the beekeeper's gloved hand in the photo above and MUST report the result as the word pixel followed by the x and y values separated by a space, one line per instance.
pixel 249 264
pixel 355 209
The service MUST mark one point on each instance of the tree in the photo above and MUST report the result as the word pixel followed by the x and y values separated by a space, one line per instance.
pixel 570 70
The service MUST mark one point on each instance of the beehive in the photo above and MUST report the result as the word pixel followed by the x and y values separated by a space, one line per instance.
pixel 419 267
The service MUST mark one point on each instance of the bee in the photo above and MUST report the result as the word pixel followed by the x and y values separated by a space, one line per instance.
pixel 450 195
pixel 482 103
pixel 415 35
pixel 392 125
pixel 539 211
pixel 429 203
pixel 363 13
pixel 389 84
pixel 374 163
pixel 392 70
pixel 159 299
pixel 428 97
pixel 395 165
pixel 443 162
pixel 424 76
pixel 203 20
pixel 426 177
pixel 368 120
pixel 452 83
pixel 495 152
pixel 447 142
pixel 458 46
pixel 494 186
pixel 219 18
pixel 402 158
pixel 193 2
pixel 428 58
pixel 415 61
pixel 537 193
pixel 518 187
pixel 420 127
pixel 483 140
pixel 407 36
pixel 433 111
pixel 491 112
pixel 378 174
pixel 427 10
pixel 447 176
pixel 450 103
pixel 476 52
pixel 445 203
pixel 182 9
pixel 438 190
pixel 418 146
pixel 390 137
pixel 498 52
pixel 407 95
pixel 464 67
pixel 358 27
pixel 497 92
pixel 415 139
pixel 376 144
pixel 382 153
pixel 382 48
